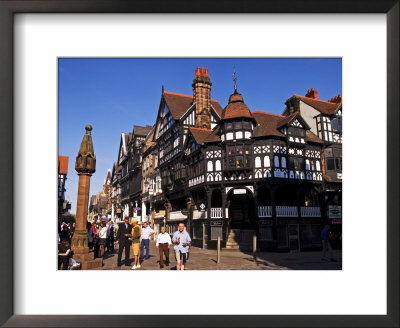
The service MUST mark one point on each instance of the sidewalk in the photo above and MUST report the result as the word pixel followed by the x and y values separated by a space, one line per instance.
pixel 203 259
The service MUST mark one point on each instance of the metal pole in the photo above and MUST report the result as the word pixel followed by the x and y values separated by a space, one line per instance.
pixel 219 249
pixel 254 247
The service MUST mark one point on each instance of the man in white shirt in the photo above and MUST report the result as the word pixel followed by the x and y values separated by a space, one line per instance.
pixel 163 243
pixel 146 233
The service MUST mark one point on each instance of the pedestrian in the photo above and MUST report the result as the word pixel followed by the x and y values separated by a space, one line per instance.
pixel 90 233
pixel 182 241
pixel 110 236
pixel 326 245
pixel 145 243
pixel 124 241
pixel 102 238
pixel 64 234
pixel 163 243
pixel 136 232
pixel 64 254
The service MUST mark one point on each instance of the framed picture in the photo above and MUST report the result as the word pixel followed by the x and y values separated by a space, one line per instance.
pixel 12 306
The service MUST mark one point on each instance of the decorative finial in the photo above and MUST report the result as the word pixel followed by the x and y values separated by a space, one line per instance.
pixel 88 127
pixel 162 88
pixel 234 78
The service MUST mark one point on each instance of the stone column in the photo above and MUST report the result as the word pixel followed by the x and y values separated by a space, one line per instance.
pixel 85 165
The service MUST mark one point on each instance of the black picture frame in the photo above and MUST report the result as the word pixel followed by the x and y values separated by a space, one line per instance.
pixel 8 127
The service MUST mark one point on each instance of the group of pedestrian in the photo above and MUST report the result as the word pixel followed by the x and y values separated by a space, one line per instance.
pixel 101 240
pixel 132 235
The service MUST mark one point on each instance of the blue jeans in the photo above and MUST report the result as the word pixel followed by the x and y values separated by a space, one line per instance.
pixel 145 243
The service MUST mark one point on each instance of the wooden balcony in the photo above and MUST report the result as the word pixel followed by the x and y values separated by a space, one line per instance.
pixel 310 212
pixel 286 211
pixel 264 211
pixel 216 213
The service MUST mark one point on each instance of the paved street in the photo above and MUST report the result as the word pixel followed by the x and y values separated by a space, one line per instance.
pixel 201 259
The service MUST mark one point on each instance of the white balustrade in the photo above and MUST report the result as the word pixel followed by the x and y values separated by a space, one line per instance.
pixel 311 212
pixel 286 211
pixel 264 211
pixel 216 212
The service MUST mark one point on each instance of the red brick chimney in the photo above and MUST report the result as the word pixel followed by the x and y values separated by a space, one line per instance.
pixel 202 98
pixel 336 100
pixel 312 93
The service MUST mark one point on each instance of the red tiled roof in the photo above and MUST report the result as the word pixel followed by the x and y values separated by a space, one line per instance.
pixel 325 107
pixel 311 137
pixel 179 103
pixel 215 104
pixel 62 164
pixel 142 130
pixel 200 134
pixel 267 124
pixel 213 137
pixel 287 119
pixel 236 108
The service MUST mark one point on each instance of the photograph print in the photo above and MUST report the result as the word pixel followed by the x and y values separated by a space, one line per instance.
pixel 199 164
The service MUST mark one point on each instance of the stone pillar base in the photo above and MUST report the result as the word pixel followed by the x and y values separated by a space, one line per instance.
pixel 79 244
pixel 88 261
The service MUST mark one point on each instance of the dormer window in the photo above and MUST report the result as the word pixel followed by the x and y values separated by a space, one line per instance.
pixel 296 131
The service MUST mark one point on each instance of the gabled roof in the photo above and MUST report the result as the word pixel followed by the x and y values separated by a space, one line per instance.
pixel 290 118
pixel 324 107
pixel 62 164
pixel 213 137
pixel 267 124
pixel 217 107
pixel 141 130
pixel 311 137
pixel 179 103
pixel 199 134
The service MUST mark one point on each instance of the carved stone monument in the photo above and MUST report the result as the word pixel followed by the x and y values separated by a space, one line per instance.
pixel 85 165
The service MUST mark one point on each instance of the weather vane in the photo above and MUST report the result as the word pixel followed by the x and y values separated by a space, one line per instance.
pixel 234 78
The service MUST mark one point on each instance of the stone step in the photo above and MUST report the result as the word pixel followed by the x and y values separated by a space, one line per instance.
pixel 93 264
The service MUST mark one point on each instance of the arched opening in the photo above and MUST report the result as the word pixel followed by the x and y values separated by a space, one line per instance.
pixel 241 209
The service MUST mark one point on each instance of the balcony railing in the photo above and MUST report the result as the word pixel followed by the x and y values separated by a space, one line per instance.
pixel 264 211
pixel 286 211
pixel 311 212
pixel 216 213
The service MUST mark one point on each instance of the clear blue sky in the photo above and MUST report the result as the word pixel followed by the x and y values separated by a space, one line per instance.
pixel 114 94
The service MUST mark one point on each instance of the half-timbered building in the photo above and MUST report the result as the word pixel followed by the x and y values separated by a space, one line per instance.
pixel 234 173
pixel 125 207
pixel 116 208
pixel 325 120
pixel 135 151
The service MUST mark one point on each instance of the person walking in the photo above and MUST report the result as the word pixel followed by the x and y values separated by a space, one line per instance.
pixel 182 241
pixel 326 245
pixel 124 241
pixel 90 235
pixel 147 232
pixel 103 238
pixel 110 236
pixel 136 232
pixel 163 243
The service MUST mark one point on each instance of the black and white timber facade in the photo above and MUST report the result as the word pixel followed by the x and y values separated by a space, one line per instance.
pixel 236 173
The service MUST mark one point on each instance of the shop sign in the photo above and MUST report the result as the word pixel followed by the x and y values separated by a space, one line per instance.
pixel 216 223
pixel 334 211
pixel 335 221
pixel 265 222
pixel 239 191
